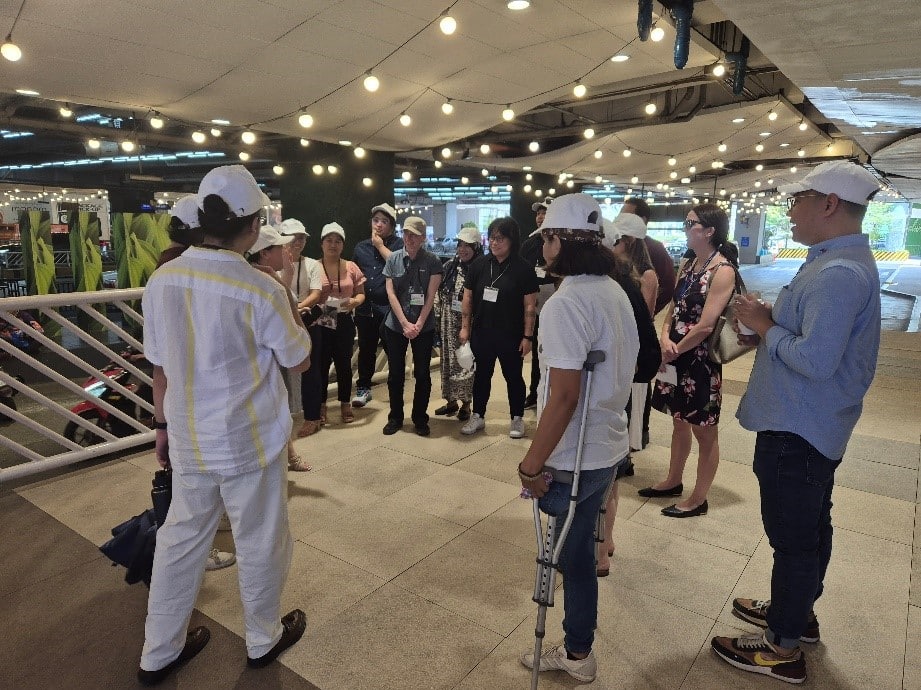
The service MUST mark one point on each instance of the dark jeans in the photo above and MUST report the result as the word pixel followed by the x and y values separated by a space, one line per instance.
pixel 535 362
pixel 311 380
pixel 336 348
pixel 577 559
pixel 490 344
pixel 369 335
pixel 796 482
pixel 395 346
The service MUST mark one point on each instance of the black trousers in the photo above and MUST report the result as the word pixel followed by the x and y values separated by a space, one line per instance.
pixel 490 344
pixel 395 346
pixel 335 348
pixel 369 335
pixel 535 361
pixel 311 380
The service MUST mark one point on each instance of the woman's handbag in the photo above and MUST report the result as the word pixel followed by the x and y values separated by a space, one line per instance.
pixel 723 343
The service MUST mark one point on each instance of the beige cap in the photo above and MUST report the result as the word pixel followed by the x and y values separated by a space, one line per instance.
pixel 414 225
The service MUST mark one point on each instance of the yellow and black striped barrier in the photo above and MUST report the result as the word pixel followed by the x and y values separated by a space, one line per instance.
pixel 878 254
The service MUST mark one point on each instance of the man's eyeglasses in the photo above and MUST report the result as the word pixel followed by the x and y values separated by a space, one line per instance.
pixel 689 223
pixel 791 200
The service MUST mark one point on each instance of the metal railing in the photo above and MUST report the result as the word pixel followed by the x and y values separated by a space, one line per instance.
pixel 101 427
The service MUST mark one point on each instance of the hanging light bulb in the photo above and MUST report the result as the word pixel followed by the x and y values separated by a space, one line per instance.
pixel 484 172
pixel 759 147
pixel 10 50
pixel 527 188
pixel 198 137
pixel 367 181
pixel 803 126
pixel 305 142
pixel 673 175
pixel 371 83
pixel 437 164
pixel 529 177
pixel 589 133
pixel 156 121
pixel 759 167
pixel 672 160
pixel 692 169
pixel 248 137
pixel 634 180
pixel 793 169
pixel 215 132
pixel 719 69
pixel 406 175
pixel 801 153
pixel 534 147
pixel 465 180
pixel 651 108
pixel 448 25
pixel 94 143
pixel 278 169
pixel 317 169
pixel 244 156
pixel 65 110
pixel 128 146
pixel 484 149
pixel 722 147
pixel 657 34
pixel 332 169
pixel 446 152
pixel 579 90
pixel 598 179
pixel 772 116
pixel 405 120
pixel 598 153
pixel 518 5
pixel 447 107
pixel 508 114
pixel 305 120
pixel 359 152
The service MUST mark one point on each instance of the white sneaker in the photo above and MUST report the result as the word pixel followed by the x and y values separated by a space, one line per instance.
pixel 219 559
pixel 555 659
pixel 223 525
pixel 475 424
pixel 362 397
pixel 516 430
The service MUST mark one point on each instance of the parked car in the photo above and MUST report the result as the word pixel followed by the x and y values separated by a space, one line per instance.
pixel 676 251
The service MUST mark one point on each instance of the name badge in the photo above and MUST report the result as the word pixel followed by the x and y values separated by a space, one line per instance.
pixel 416 299
pixel 540 271
pixel 456 305
pixel 490 294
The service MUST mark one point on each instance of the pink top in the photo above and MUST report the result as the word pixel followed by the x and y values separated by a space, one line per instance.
pixel 342 284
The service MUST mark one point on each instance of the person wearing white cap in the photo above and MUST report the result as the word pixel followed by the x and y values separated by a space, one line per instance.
pixel 306 284
pixel 589 311
pixel 371 255
pixel 342 291
pixel 217 332
pixel 184 230
pixel 817 352
pixel 456 382
pixel 532 252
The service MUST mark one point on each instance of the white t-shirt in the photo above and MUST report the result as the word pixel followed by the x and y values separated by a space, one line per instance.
pixel 590 313
pixel 220 329
pixel 307 276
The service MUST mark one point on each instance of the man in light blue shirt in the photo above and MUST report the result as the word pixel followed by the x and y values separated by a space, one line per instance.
pixel 816 359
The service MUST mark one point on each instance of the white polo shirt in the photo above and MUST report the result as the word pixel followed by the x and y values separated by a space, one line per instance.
pixel 590 313
pixel 220 329
pixel 307 276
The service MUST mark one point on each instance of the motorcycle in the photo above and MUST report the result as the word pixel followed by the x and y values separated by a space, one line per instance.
pixel 101 389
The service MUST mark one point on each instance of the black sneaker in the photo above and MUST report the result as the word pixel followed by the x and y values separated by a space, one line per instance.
pixel 530 402
pixel 195 641
pixel 423 429
pixel 390 428
pixel 294 624
pixel 755 654
pixel 754 611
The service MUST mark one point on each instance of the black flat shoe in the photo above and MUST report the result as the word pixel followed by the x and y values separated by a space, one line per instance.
pixel 423 430
pixel 195 641
pixel 649 492
pixel 463 414
pixel 676 512
pixel 449 410
pixel 294 624
pixel 390 428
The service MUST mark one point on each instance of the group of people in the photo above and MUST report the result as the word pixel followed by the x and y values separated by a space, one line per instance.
pixel 223 421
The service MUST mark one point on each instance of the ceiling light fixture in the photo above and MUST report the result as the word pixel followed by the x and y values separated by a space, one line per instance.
pixel 198 137
pixel 244 156
pixel 484 149
pixel 759 147
pixel 672 160
pixel 248 137
pixel 657 33
pixel 215 132
pixel 627 153
pixel 446 152
pixel 598 153
pixel 359 152
pixel 634 179
pixel 405 120
pixel 317 169
pixel 801 153
pixel 371 82
pixel 738 120
pixel 10 50
pixel 305 142
pixel 465 180
pixel 589 133
pixel 518 5
pixel 772 116
pixel 406 175
pixel 448 25
pixel 803 126
pixel 759 167
pixel 579 90
pixel 719 69
pixel 620 57
pixel 438 164
pixel 367 181
pixel 94 143
pixel 332 169
pixel 692 169
pixel 534 147
pixel 28 92
pixel 447 107
pixel 278 169
pixel 484 172
pixel 305 120
pixel 651 108
pixel 722 147
pixel 529 177
pixel 508 114
pixel 156 121
pixel 128 146
pixel 219 121
pixel 66 111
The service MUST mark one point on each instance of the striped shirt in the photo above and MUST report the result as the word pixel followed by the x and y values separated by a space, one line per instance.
pixel 220 329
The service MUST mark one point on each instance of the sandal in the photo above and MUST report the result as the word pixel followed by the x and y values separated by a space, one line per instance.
pixel 464 413
pixel 448 410
pixel 347 414
pixel 297 464
pixel 323 421
pixel 309 428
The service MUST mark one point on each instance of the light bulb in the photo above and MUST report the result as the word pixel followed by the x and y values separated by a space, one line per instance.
pixel 627 153
pixel 405 120
pixel 215 132
pixel 803 126
pixel 448 25
pixel 156 122
pixel 527 188
pixel 447 107
pixel 359 152
pixel 551 191
pixel 518 5
pixel 127 146
pixel 465 180
pixel 570 184
pixel 579 90
pixel 508 113
pixel 94 143
pixel 673 175
pixel 672 160
pixel 484 172
pixel 508 188
pixel 598 179
pixel 759 147
pixel 657 34
pixel 10 50
pixel 446 152
pixel 437 164
pixel 634 180
pixel 332 169
pixel 372 83
pixel 598 153
pixel 406 175
pixel 722 147
pixel 772 116
pixel 757 183
pixel 305 120
pixel 66 111
pixel 198 137
pixel 538 192
pixel 305 142
pixel 651 108
pixel 534 147
pixel 620 57
pixel 317 169
pixel 801 153
pixel 278 169
pixel 719 69
pixel 759 167
pixel 244 156
pixel 367 181
pixel 692 169
pixel 484 149
pixel 589 133
pixel 248 137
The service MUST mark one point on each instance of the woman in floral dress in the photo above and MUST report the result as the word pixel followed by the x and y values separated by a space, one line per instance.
pixel 456 384
pixel 705 285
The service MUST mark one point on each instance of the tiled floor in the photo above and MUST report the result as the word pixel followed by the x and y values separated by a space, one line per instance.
pixel 414 562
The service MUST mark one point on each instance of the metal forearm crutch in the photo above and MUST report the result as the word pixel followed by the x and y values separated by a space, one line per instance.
pixel 549 543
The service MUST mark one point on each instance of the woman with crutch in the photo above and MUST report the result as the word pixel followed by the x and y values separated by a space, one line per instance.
pixel 588 313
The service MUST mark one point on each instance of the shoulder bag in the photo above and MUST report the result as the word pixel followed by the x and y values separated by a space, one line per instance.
pixel 723 343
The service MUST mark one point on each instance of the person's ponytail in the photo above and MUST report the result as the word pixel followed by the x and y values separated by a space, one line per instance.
pixel 218 221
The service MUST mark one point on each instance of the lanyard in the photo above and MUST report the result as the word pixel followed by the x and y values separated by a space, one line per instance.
pixel 300 263
pixel 492 281
pixel 338 276
pixel 691 278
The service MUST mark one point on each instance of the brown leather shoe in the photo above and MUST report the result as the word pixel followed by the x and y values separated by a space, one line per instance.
pixel 195 641
pixel 294 624
pixel 347 415
pixel 308 428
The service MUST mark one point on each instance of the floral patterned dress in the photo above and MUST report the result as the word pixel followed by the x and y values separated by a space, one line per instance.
pixel 456 384
pixel 698 396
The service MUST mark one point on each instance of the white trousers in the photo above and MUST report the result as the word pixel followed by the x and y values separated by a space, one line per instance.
pixel 637 403
pixel 257 505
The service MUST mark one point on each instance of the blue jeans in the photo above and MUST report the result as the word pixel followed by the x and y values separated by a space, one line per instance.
pixel 577 559
pixel 796 482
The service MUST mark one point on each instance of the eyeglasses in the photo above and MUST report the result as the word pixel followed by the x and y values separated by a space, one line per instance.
pixel 497 239
pixel 547 235
pixel 689 223
pixel 791 200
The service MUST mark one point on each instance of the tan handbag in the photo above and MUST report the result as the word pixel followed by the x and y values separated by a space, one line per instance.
pixel 723 343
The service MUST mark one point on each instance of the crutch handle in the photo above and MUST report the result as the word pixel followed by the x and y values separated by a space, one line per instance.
pixel 594 357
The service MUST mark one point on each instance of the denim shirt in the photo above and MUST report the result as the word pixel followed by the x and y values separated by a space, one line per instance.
pixel 371 263
pixel 815 365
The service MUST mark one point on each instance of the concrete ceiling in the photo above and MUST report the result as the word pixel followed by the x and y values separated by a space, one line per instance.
pixel 849 70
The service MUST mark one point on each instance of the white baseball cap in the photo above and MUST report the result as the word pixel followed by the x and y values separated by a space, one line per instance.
pixel 387 209
pixel 333 227
pixel 846 180
pixel 470 235
pixel 186 210
pixel 269 237
pixel 573 212
pixel 537 205
pixel 629 224
pixel 235 185
pixel 292 226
